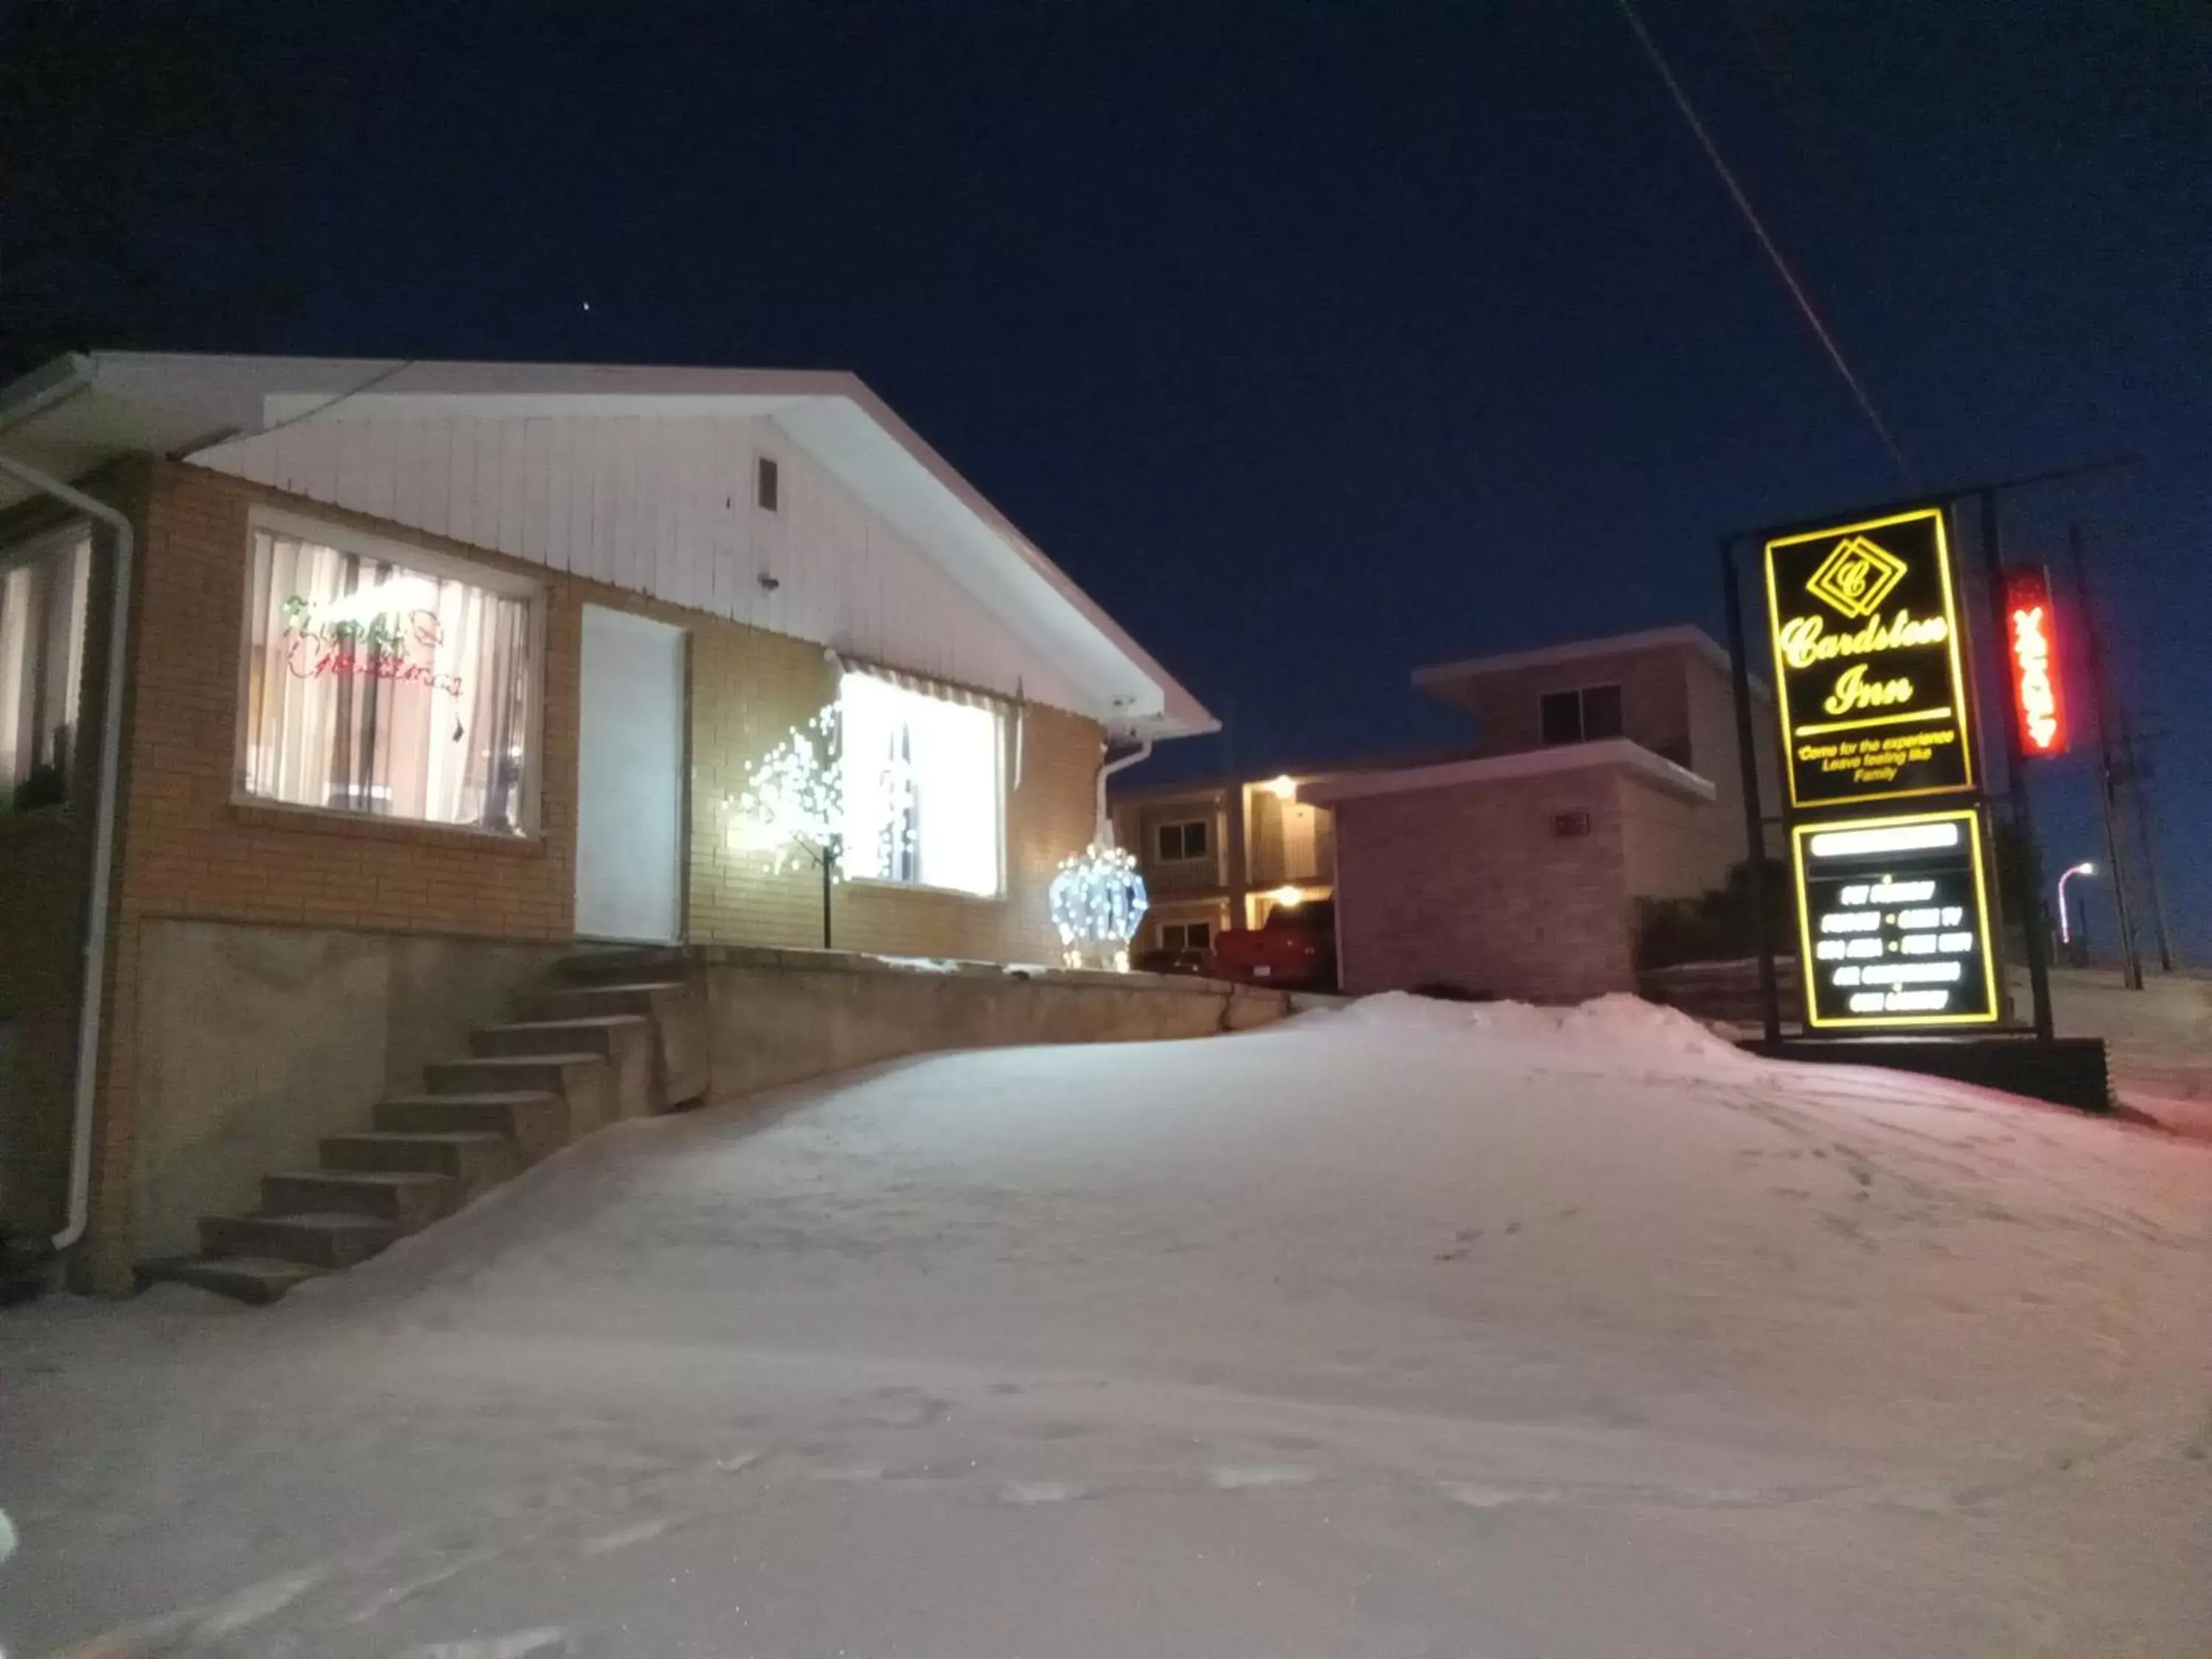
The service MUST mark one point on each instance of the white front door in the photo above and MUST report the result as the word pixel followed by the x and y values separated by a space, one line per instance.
pixel 630 780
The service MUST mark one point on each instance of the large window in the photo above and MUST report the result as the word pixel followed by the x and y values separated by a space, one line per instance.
pixel 384 680
pixel 924 804
pixel 1585 715
pixel 42 596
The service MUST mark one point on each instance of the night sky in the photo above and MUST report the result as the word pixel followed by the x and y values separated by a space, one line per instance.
pixel 1316 340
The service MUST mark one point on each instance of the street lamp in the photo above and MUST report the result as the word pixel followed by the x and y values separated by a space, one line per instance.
pixel 2065 921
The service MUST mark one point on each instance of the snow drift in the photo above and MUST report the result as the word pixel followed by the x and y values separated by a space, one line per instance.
pixel 1402 1329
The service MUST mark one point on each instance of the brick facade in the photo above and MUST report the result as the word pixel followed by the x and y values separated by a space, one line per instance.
pixel 187 848
pixel 748 689
pixel 1469 886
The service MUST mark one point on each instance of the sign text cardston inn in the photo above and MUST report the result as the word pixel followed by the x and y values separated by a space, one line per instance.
pixel 1868 665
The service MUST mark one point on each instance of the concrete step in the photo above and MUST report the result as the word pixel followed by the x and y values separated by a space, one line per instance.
pixel 534 1121
pixel 479 1159
pixel 587 1034
pixel 625 1041
pixel 501 1073
pixel 585 1001
pixel 678 1009
pixel 315 1240
pixel 584 1081
pixel 258 1280
pixel 625 964
pixel 409 1200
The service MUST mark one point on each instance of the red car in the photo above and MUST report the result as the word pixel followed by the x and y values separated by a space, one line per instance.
pixel 1296 947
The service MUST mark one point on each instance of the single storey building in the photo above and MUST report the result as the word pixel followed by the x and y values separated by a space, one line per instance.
pixel 336 697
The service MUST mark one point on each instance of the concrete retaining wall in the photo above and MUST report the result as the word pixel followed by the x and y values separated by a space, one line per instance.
pixel 776 1016
pixel 257 1041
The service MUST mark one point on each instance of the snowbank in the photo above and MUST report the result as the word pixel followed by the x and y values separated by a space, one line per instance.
pixel 1618 1020
pixel 1264 1345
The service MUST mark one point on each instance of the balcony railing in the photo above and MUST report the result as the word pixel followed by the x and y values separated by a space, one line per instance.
pixel 1181 875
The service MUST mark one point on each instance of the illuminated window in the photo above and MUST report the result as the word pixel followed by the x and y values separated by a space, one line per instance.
pixel 42 600
pixel 384 680
pixel 1180 842
pixel 924 801
pixel 1583 715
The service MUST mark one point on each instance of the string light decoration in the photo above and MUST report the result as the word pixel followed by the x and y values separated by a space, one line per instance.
pixel 1097 900
pixel 795 807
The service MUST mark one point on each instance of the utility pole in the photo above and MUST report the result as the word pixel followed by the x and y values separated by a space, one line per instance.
pixel 2137 772
pixel 2107 772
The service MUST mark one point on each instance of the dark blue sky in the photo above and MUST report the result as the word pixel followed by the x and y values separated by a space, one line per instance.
pixel 1318 339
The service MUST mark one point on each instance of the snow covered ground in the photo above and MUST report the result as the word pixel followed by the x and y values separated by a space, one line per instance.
pixel 1409 1329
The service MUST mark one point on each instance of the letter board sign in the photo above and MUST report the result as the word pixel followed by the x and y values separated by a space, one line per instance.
pixel 1892 919
pixel 1869 671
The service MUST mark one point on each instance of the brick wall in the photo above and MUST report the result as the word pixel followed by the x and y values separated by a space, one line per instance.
pixel 186 848
pixel 1673 846
pixel 1468 886
pixel 194 850
pixel 748 689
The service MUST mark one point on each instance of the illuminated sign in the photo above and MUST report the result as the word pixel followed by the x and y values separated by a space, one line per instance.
pixel 1869 667
pixel 2032 646
pixel 1893 922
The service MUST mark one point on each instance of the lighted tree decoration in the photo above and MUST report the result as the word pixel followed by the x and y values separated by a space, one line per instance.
pixel 795 806
pixel 1097 900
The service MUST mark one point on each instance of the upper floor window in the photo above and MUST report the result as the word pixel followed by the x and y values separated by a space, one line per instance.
pixel 923 787
pixel 1582 715
pixel 387 680
pixel 1176 843
pixel 43 585
pixel 768 484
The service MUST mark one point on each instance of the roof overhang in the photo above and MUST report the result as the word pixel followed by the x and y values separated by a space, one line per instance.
pixel 83 412
pixel 1611 754
pixel 1445 677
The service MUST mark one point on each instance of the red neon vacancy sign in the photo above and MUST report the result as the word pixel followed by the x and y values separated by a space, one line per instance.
pixel 2031 649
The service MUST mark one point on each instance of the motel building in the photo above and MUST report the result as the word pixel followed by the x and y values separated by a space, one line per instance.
pixel 1601 775
pixel 339 698
pixel 1217 855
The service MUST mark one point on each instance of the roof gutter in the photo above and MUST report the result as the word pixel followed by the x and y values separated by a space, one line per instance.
pixel 103 848
pixel 1107 768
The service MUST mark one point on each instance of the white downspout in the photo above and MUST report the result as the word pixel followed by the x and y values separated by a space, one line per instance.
pixel 103 846
pixel 1106 769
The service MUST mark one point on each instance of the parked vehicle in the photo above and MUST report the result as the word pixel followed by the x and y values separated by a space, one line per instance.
pixel 1297 947
pixel 1199 962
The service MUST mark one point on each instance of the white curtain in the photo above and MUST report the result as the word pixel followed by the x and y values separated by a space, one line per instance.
pixel 373 688
pixel 928 769
pixel 42 602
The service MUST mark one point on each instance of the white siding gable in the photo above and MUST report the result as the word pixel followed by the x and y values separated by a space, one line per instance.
pixel 662 505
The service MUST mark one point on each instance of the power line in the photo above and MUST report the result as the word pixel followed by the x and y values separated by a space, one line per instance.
pixel 1759 229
